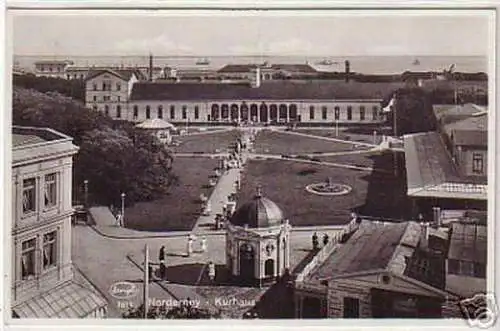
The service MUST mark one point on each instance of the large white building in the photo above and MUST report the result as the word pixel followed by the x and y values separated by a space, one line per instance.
pixel 45 283
pixel 278 101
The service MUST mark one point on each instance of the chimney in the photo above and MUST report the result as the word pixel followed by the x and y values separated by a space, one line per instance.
pixel 347 71
pixel 150 67
pixel 437 216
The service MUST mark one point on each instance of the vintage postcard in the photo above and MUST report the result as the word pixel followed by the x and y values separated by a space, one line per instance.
pixel 330 166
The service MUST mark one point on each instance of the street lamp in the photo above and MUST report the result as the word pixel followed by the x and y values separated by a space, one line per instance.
pixel 86 192
pixel 123 206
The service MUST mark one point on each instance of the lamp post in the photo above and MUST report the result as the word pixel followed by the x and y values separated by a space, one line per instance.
pixel 123 207
pixel 86 192
pixel 336 128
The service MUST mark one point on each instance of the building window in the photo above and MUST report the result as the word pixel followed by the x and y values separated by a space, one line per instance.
pixel 479 270
pixel 351 307
pixel 184 112
pixel 106 110
pixel 50 190
pixel 311 112
pixel 196 112
pixel 118 86
pixel 477 163
pixel 362 113
pixel 160 111
pixel 374 112
pixel 148 112
pixel 29 195
pixel 118 98
pixel 28 259
pixel 172 112
pixel 118 111
pixel 106 98
pixel 337 113
pixel 94 86
pixel 94 107
pixel 136 112
pixel 349 113
pixel 95 97
pixel 49 249
pixel 106 86
pixel 323 112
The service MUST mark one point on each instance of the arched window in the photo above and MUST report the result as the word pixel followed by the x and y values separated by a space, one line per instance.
pixel 362 111
pixel 184 112
pixel 293 111
pixel 148 112
pixel 225 111
pixel 283 111
pixel 118 111
pixel 337 113
pixel 273 112
pixel 323 112
pixel 160 111
pixel 263 113
pixel 349 113
pixel 196 112
pixel 311 112
pixel 234 112
pixel 269 267
pixel 253 112
pixel 215 112
pixel 136 112
pixel 244 112
pixel 374 113
pixel 172 112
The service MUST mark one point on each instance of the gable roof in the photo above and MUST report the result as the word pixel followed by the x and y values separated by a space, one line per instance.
pixel 124 74
pixel 373 246
pixel 268 90
pixel 446 114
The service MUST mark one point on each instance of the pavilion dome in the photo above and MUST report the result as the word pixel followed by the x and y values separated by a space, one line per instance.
pixel 260 212
pixel 155 123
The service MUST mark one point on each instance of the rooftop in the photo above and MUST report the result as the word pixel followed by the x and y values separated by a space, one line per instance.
pixel 268 90
pixel 124 74
pixel 446 114
pixel 431 172
pixel 468 242
pixel 25 136
pixel 373 246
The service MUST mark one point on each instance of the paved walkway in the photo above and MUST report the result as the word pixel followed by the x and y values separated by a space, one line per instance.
pixel 327 138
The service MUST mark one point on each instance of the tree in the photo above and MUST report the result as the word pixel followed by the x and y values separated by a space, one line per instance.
pixel 74 88
pixel 113 157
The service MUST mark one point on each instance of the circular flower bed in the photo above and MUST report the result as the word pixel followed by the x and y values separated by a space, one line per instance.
pixel 328 189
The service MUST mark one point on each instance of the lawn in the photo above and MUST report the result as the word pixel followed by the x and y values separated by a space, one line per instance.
pixel 361 160
pixel 273 142
pixel 284 182
pixel 351 134
pixel 206 143
pixel 179 209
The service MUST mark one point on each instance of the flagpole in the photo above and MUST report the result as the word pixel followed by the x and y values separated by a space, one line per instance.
pixel 146 280
pixel 394 115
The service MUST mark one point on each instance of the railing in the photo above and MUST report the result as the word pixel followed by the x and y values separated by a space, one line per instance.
pixel 326 250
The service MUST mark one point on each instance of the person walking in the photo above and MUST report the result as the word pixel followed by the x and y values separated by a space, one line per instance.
pixel 190 246
pixel 203 245
pixel 161 255
pixel 325 239
pixel 211 271
pixel 315 241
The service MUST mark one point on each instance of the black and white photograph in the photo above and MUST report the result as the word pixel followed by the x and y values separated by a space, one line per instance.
pixel 250 164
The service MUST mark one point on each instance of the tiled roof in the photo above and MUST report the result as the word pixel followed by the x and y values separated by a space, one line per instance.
pixel 124 74
pixel 446 114
pixel 259 212
pixel 268 90
pixel 374 246
pixel 468 242
pixel 22 136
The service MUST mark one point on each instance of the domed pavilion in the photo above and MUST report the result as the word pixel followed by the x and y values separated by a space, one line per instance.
pixel 258 242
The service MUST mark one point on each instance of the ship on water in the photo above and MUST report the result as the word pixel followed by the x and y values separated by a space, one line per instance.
pixel 203 62
pixel 416 62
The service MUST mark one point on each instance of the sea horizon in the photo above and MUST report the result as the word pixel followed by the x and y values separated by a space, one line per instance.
pixel 372 64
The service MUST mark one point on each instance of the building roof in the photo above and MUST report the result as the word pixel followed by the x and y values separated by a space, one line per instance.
pixel 155 123
pixel 468 242
pixel 237 68
pixel 54 62
pixel 268 90
pixel 260 212
pixel 124 74
pixel 373 246
pixel 430 171
pixel 32 143
pixel 243 68
pixel 70 300
pixel 446 114
pixel 471 131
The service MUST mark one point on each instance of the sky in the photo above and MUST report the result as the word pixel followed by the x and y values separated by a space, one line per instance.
pixel 243 33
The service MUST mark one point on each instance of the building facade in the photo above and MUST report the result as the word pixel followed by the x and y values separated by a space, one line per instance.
pixel 56 69
pixel 42 268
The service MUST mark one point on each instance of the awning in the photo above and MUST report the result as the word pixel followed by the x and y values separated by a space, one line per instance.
pixel 70 300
